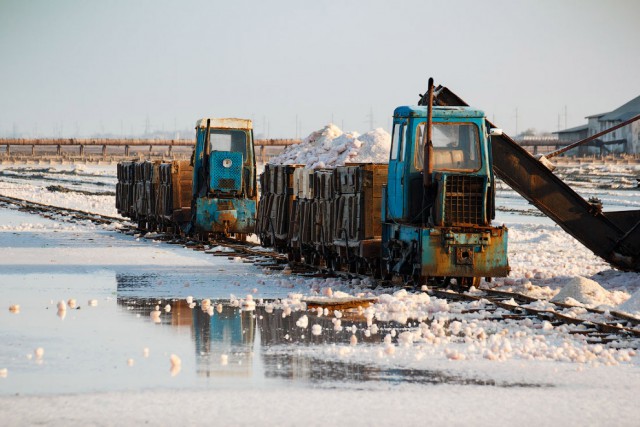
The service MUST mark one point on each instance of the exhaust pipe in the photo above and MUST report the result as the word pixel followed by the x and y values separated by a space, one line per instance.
pixel 428 164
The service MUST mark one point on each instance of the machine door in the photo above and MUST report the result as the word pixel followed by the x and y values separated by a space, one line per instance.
pixel 395 199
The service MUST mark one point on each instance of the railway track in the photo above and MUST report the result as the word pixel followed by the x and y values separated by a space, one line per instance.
pixel 50 212
pixel 598 326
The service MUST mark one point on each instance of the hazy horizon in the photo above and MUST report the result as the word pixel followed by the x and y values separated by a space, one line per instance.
pixel 74 68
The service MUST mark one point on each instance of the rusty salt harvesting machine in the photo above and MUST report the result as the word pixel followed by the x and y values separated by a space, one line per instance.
pixel 214 194
pixel 424 217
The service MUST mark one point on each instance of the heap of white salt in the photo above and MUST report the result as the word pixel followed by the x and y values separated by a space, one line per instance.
pixel 330 147
pixel 632 305
pixel 584 291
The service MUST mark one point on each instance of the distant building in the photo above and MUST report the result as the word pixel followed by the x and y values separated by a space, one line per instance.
pixel 623 140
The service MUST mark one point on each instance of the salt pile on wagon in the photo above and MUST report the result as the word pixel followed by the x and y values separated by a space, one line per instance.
pixel 330 147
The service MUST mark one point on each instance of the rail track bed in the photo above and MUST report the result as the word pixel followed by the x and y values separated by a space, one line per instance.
pixel 598 326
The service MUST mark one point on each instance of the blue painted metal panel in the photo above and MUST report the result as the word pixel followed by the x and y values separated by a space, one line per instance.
pixel 198 163
pixel 225 170
pixel 438 112
pixel 445 252
pixel 395 177
pixel 220 215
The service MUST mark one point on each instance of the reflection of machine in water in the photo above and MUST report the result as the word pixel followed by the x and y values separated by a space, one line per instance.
pixel 224 341
pixel 278 330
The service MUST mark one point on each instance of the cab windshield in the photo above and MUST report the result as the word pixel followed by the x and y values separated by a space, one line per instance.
pixel 228 140
pixel 456 147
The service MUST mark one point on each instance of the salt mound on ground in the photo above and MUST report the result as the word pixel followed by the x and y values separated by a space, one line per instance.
pixel 330 147
pixel 585 291
pixel 632 305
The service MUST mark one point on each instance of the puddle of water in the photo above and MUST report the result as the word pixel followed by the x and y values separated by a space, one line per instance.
pixel 116 345
pixel 102 347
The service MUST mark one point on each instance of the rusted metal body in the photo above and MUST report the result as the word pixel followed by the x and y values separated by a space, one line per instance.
pixel 613 236
pixel 97 142
pixel 275 206
pixel 133 142
pixel 155 193
pixel 358 209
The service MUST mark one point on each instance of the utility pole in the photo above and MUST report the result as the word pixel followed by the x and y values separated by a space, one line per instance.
pixel 296 126
pixel 516 135
pixel 370 117
pixel 566 117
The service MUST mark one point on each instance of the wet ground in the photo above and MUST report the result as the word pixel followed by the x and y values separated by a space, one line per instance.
pixel 111 353
pixel 131 314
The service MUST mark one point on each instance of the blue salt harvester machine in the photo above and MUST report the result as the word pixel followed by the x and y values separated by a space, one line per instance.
pixel 224 178
pixel 440 197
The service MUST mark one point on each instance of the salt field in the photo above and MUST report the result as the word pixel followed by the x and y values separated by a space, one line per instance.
pixel 106 319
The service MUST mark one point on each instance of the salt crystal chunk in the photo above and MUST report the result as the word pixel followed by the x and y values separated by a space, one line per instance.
pixel 39 352
pixel 316 330
pixel 175 360
pixel 354 340
pixel 303 322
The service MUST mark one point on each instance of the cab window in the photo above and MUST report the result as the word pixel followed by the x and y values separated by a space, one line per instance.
pixel 228 140
pixel 456 147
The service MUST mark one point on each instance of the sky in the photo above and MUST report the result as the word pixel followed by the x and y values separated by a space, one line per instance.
pixel 77 68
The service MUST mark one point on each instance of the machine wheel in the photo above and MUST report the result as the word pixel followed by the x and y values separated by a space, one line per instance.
pixel 465 283
pixel 334 263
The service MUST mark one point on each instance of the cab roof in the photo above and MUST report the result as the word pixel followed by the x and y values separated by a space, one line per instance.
pixel 229 123
pixel 438 112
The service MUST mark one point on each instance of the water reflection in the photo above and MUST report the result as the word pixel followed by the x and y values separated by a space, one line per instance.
pixel 239 343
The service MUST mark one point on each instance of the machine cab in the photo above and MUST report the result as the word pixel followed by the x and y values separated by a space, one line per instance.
pixel 224 163
pixel 224 177
pixel 462 179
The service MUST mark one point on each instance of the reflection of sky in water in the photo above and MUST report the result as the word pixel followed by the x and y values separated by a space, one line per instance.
pixel 88 349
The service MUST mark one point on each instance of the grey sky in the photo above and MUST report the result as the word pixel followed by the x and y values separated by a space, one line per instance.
pixel 86 66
